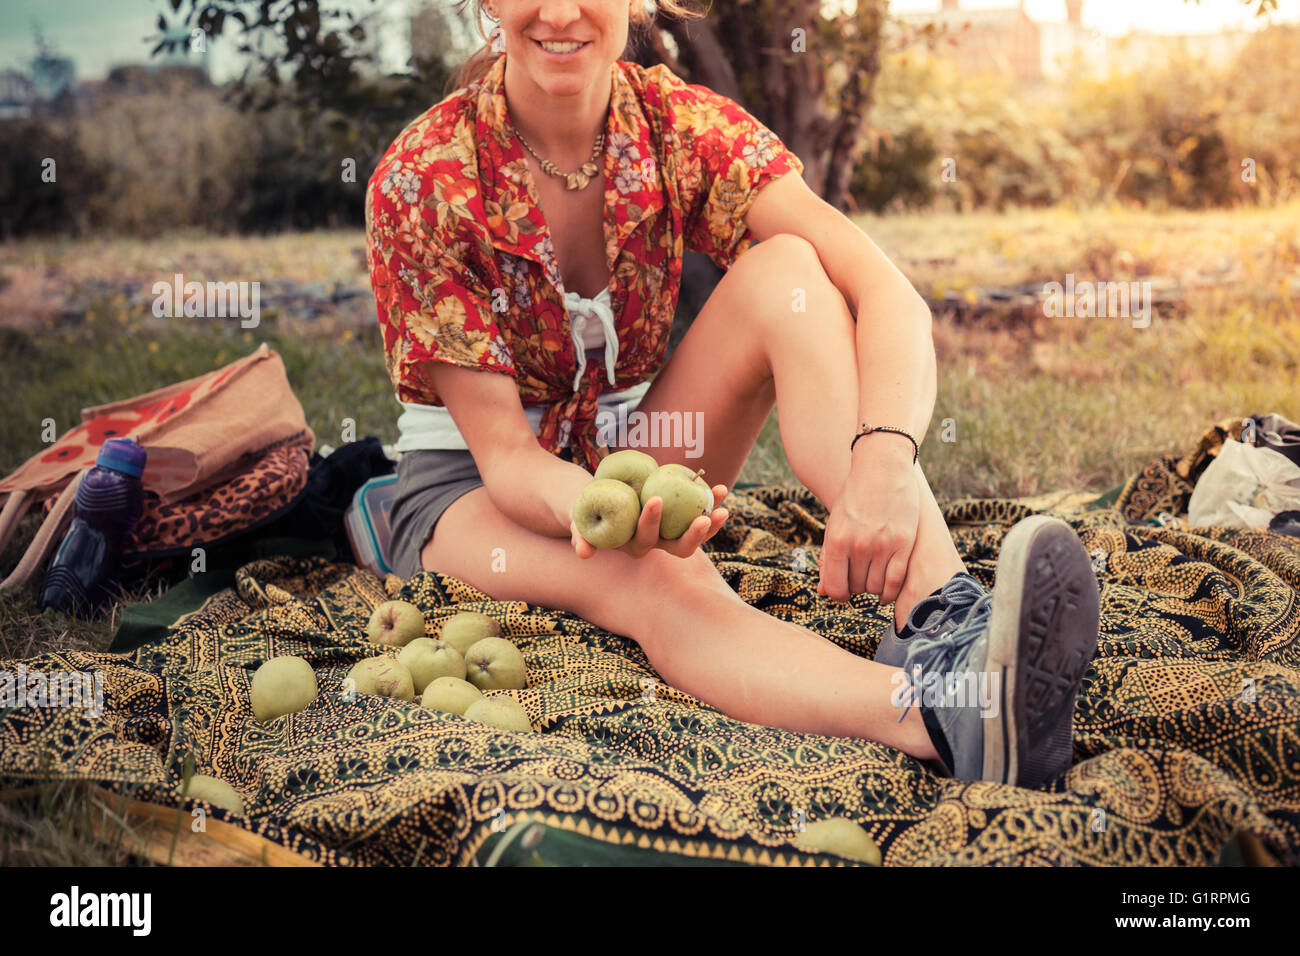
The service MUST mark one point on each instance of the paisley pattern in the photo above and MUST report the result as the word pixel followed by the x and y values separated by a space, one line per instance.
pixel 1187 729
pixel 463 264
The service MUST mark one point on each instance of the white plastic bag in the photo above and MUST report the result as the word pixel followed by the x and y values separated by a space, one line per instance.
pixel 1244 487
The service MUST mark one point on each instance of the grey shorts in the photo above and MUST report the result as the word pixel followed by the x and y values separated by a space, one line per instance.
pixel 428 482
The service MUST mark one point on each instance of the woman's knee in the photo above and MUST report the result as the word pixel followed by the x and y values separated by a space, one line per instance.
pixel 690 579
pixel 673 595
pixel 780 276
pixel 643 597
pixel 782 262
pixel 781 251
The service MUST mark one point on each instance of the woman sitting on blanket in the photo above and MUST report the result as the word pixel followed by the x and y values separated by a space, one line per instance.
pixel 531 226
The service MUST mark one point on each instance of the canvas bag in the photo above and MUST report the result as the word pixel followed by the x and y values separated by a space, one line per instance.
pixel 1244 487
pixel 197 433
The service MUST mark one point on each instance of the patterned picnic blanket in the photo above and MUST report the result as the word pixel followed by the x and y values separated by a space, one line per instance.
pixel 1187 728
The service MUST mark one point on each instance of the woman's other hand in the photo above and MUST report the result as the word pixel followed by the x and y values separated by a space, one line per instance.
pixel 871 530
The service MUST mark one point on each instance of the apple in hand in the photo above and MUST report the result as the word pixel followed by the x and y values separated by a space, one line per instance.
pixel 606 512
pixel 396 623
pixel 629 466
pixel 462 631
pixel 496 664
pixel 685 495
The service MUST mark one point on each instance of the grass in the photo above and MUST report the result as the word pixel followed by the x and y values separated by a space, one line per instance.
pixel 1083 403
pixel 49 826
pixel 1257 245
pixel 1048 404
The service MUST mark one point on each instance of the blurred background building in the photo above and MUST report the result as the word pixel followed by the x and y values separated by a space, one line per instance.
pixel 1003 40
pixel 1007 40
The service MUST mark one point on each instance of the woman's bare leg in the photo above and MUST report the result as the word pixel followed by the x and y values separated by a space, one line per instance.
pixel 695 630
pixel 746 350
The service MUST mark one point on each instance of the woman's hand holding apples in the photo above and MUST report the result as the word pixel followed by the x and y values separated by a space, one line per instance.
pixel 647 530
pixel 634 505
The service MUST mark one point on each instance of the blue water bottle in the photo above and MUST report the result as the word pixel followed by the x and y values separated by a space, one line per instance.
pixel 85 572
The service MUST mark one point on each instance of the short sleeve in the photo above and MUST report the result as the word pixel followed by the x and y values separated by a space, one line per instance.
pixel 728 156
pixel 433 304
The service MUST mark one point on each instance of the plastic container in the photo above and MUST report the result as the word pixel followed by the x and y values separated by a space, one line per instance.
pixel 85 571
pixel 368 528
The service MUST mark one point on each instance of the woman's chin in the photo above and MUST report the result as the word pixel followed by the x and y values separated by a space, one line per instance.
pixel 567 85
pixel 576 73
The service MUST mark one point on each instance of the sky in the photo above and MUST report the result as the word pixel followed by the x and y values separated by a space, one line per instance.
pixel 1117 17
pixel 95 33
pixel 99 34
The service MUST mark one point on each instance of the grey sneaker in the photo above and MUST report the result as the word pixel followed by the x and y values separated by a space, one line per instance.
pixel 1002 683
pixel 933 615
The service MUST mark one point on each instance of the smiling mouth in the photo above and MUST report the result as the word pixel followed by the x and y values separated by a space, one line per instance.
pixel 585 44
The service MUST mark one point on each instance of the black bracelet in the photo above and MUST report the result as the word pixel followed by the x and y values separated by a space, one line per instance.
pixel 868 429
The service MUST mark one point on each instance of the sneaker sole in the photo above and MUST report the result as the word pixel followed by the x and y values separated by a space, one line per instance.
pixel 1042 636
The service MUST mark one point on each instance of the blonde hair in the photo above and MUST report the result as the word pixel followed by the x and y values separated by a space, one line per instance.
pixel 640 21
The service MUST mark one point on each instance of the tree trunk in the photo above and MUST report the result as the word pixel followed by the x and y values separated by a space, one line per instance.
pixel 745 52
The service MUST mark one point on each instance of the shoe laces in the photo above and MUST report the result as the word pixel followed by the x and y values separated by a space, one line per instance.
pixel 945 650
pixel 954 598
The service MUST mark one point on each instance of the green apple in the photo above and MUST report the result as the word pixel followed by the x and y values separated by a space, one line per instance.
pixel 496 664
pixel 427 660
pixel 629 466
pixel 450 694
pixel 216 792
pixel 282 685
pixel 685 495
pixel 395 623
pixel 842 837
pixel 383 677
pixel 606 512
pixel 501 712
pixel 466 629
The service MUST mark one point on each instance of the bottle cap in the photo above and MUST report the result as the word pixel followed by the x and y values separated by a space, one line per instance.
pixel 122 454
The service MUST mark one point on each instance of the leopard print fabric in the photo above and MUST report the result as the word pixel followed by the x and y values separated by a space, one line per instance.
pixel 213 513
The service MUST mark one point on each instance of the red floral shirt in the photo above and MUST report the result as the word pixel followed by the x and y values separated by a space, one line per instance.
pixel 462 262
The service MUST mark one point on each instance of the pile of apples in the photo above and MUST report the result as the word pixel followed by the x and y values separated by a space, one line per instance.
pixel 448 674
pixel 608 508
